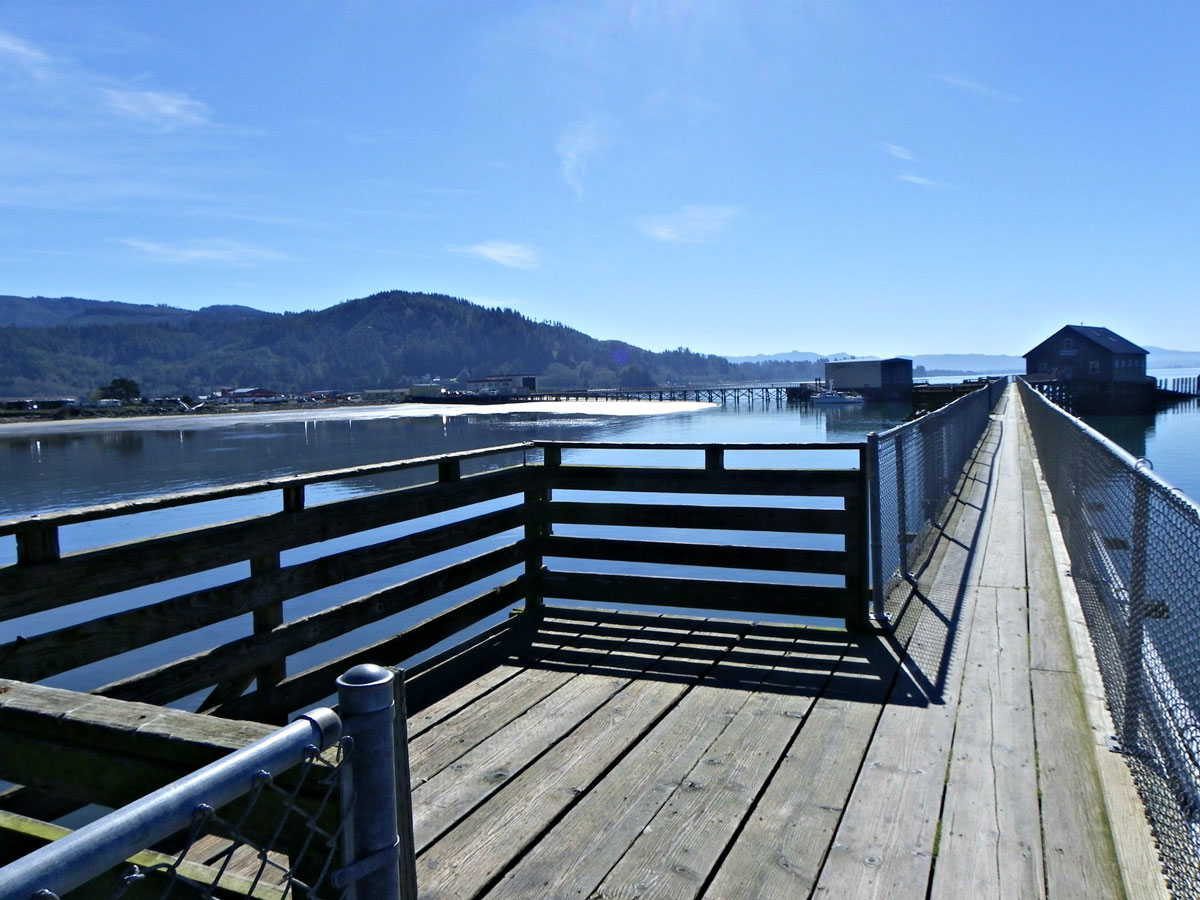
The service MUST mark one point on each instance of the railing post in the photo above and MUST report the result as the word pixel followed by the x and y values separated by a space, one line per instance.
pixel 875 525
pixel 858 616
pixel 37 544
pixel 537 524
pixel 372 846
pixel 901 506
pixel 1136 614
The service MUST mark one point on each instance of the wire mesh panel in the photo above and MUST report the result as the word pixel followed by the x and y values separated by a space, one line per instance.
pixel 279 840
pixel 917 468
pixel 1134 544
pixel 313 810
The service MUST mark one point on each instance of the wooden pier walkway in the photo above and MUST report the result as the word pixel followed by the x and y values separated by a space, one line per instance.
pixel 588 753
pixel 625 755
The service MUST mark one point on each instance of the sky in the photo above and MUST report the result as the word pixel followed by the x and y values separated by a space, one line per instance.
pixel 833 176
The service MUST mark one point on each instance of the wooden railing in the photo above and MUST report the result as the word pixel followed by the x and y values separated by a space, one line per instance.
pixel 478 532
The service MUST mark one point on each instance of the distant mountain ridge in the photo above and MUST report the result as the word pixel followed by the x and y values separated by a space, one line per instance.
pixel 70 346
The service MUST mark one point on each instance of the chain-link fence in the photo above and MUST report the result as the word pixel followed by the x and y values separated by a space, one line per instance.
pixel 1134 544
pixel 917 467
pixel 310 811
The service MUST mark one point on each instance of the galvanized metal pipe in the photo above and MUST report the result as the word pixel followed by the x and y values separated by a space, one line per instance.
pixel 372 846
pixel 93 849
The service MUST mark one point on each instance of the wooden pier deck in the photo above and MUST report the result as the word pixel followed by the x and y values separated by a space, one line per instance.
pixel 592 753
pixel 615 754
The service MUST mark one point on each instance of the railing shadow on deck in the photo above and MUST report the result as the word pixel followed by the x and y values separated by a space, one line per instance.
pixel 729 654
pixel 932 598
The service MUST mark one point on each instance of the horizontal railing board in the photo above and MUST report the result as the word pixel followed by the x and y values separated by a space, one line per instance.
pixel 762 482
pixel 38 657
pixel 646 445
pixel 109 570
pixel 727 596
pixel 772 559
pixel 310 686
pixel 210 667
pixel 720 518
pixel 205 495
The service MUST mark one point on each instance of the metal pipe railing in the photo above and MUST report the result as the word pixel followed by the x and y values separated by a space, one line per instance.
pixel 93 849
pixel 376 836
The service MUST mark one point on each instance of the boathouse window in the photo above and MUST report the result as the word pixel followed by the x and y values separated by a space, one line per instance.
pixel 1068 343
pixel 1094 367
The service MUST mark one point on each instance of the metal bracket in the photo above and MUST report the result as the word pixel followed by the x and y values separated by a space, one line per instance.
pixel 365 866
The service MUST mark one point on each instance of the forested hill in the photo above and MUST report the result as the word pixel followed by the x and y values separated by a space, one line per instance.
pixel 69 347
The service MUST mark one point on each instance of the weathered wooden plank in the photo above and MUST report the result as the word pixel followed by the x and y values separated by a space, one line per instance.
pixel 308 687
pixel 38 657
pixel 724 518
pixel 779 852
pixel 641 723
pixel 798 447
pixel 1080 858
pixel 447 796
pixel 990 841
pixel 200 670
pixel 475 665
pixel 772 559
pixel 571 859
pixel 94 573
pixel 662 480
pixel 288 484
pixel 678 849
pixel 437 749
pixel 731 596
pixel 54 739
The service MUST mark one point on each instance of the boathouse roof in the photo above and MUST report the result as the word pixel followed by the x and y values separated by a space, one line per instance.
pixel 1102 337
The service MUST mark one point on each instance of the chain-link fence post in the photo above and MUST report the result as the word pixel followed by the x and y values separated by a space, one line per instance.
pixel 372 852
pixel 902 537
pixel 875 524
pixel 1136 615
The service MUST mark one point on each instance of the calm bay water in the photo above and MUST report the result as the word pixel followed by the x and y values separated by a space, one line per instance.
pixel 1170 439
pixel 72 464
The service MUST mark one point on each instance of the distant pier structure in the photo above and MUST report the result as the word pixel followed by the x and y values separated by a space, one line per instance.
pixel 874 379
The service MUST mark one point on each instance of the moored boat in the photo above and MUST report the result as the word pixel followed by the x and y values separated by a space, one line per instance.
pixel 829 396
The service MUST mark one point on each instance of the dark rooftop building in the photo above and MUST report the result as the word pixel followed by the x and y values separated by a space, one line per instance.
pixel 1086 353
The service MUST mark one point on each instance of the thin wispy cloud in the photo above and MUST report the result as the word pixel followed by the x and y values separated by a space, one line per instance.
pixel 917 179
pixel 62 84
pixel 576 147
pixel 210 250
pixel 505 253
pixel 975 87
pixel 690 225
pixel 161 109
pixel 24 54
pixel 899 152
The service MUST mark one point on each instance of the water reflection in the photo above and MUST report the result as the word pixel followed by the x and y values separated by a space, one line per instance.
pixel 70 467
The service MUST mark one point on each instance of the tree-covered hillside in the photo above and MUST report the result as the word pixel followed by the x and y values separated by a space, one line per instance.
pixel 387 340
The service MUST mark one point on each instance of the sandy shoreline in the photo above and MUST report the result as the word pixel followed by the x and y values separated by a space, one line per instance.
pixel 247 415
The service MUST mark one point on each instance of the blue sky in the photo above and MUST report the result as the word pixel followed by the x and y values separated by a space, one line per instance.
pixel 871 178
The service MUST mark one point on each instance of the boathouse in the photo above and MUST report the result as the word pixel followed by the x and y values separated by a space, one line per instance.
pixel 1089 370
pixel 875 379
pixel 1086 353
